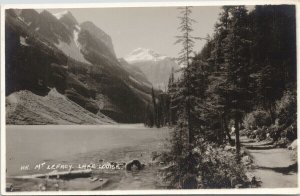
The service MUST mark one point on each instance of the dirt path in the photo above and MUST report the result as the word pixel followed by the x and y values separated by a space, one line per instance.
pixel 273 166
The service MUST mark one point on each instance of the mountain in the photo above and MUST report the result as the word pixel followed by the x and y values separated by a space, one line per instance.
pixel 155 66
pixel 46 52
pixel 136 73
pixel 62 30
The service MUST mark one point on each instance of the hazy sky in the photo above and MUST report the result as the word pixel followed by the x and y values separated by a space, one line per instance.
pixel 153 28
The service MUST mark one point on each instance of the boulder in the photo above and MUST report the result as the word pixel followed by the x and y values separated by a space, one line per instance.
pixel 154 155
pixel 229 148
pixel 42 187
pixel 293 145
pixel 246 160
pixel 238 186
pixel 9 187
pixel 243 152
pixel 233 181
pixel 250 176
pixel 135 163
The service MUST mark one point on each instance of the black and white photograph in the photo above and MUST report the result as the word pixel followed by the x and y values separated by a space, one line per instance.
pixel 185 97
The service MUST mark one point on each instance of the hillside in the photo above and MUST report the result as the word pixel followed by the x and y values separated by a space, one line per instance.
pixel 24 107
pixel 44 51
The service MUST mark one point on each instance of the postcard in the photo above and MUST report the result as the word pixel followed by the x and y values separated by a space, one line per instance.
pixel 139 98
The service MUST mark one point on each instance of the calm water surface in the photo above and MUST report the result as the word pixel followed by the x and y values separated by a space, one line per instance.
pixel 30 145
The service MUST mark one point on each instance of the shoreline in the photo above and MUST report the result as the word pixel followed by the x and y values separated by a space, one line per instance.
pixel 134 149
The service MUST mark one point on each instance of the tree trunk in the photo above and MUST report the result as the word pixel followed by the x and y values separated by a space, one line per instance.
pixel 227 132
pixel 237 138
pixel 220 132
pixel 190 131
pixel 271 114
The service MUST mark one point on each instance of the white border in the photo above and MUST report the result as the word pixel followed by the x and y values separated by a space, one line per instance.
pixel 140 4
pixel 152 4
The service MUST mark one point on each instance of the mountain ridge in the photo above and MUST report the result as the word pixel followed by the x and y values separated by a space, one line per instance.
pixel 37 61
pixel 156 67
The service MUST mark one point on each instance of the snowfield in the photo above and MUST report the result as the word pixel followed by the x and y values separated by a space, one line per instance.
pixel 59 15
pixel 142 54
pixel 73 49
pixel 23 41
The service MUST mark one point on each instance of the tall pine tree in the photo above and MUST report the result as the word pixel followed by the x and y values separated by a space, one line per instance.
pixel 236 53
pixel 185 56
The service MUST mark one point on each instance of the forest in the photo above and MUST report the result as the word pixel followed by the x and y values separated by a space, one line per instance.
pixel 242 83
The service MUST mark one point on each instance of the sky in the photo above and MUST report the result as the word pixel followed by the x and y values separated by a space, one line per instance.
pixel 152 27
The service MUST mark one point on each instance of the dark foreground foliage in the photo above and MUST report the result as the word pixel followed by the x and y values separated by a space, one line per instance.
pixel 244 77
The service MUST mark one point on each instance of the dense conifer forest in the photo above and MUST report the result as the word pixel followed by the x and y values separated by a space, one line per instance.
pixel 243 82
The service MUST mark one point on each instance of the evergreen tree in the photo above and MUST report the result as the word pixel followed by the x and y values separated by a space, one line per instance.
pixel 183 170
pixel 148 121
pixel 273 54
pixel 237 49
pixel 185 56
pixel 171 93
pixel 248 64
pixel 155 109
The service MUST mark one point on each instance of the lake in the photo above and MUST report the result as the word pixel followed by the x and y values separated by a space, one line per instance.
pixel 70 144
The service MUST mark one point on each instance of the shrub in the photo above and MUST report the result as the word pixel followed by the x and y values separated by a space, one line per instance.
pixel 274 132
pixel 261 133
pixel 284 130
pixel 283 136
pixel 219 169
pixel 181 163
pixel 291 132
pixel 208 165
pixel 282 142
pixel 286 108
pixel 243 132
pixel 257 119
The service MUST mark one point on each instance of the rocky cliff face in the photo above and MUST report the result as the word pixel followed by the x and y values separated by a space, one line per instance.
pixel 45 51
pixel 99 35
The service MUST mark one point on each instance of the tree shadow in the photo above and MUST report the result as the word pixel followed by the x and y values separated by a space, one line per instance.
pixel 248 141
pixel 267 147
pixel 283 170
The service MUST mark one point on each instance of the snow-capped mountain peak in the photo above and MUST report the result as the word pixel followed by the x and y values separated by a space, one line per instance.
pixel 59 15
pixel 142 54
pixel 156 67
